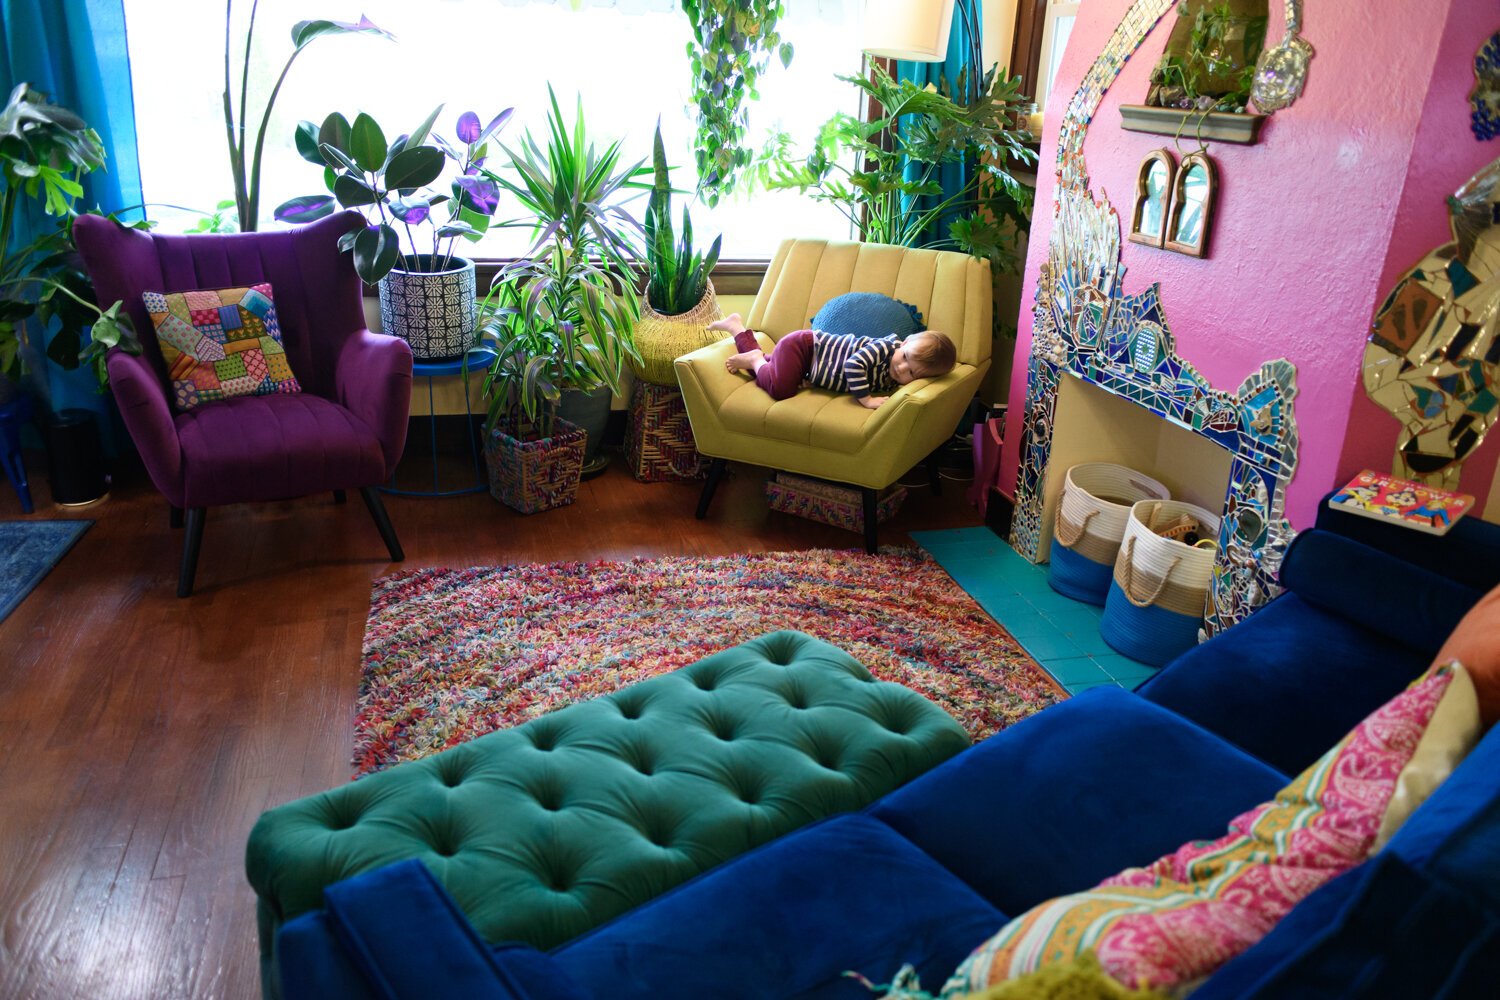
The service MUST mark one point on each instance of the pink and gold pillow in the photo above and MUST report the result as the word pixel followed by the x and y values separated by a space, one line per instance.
pixel 1175 922
pixel 220 343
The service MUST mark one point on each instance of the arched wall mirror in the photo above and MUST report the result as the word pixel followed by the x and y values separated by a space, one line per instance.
pixel 1153 199
pixel 1192 214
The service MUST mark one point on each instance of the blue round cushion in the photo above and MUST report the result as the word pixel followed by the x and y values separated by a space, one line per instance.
pixel 868 314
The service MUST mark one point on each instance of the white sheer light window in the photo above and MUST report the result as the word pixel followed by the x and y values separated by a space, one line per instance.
pixel 626 58
pixel 1059 26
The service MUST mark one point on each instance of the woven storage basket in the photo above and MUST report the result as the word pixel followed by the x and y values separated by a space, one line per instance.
pixel 532 476
pixel 660 446
pixel 1160 586
pixel 1091 519
pixel 661 339
pixel 829 503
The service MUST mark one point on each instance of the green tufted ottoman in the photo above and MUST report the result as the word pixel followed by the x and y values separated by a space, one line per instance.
pixel 546 830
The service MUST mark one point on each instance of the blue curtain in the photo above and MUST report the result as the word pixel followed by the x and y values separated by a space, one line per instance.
pixel 943 75
pixel 75 52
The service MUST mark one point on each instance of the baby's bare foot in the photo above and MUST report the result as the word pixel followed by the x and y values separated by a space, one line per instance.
pixel 747 361
pixel 729 324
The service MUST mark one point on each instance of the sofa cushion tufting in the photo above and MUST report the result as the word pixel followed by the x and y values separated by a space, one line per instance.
pixel 543 831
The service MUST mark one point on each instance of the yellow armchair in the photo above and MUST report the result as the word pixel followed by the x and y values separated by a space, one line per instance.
pixel 827 434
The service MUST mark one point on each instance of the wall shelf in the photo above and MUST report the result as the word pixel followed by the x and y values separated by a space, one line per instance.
pixel 1219 126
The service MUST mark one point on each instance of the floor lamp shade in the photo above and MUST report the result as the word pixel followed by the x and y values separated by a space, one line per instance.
pixel 914 30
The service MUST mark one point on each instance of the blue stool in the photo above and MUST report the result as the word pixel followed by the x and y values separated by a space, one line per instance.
pixel 13 416
pixel 476 360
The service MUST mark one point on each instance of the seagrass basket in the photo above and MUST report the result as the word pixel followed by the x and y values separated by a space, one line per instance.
pixel 662 339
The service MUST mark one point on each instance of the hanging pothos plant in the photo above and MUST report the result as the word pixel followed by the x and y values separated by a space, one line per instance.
pixel 731 47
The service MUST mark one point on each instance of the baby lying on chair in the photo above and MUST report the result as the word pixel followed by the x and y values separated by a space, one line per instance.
pixel 868 368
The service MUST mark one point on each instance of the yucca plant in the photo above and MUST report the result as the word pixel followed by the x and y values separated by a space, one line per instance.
pixel 563 316
pixel 677 277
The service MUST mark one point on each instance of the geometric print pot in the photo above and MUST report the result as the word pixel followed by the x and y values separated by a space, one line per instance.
pixel 434 313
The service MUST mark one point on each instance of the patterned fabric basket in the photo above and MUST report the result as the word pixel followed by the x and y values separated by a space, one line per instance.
pixel 660 447
pixel 829 503
pixel 661 339
pixel 1091 520
pixel 1160 586
pixel 532 476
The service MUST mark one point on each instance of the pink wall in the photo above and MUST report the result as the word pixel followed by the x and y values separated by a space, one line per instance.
pixel 1304 218
pixel 1446 156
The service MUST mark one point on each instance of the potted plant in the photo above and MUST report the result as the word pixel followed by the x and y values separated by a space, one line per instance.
pixel 876 184
pixel 573 283
pixel 44 151
pixel 426 295
pixel 680 300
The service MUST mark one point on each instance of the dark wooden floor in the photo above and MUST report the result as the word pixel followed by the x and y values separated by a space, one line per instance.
pixel 141 735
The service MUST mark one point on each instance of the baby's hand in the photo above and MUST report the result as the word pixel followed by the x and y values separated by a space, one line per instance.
pixel 872 402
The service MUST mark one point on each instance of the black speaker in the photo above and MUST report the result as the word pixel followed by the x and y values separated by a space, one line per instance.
pixel 75 458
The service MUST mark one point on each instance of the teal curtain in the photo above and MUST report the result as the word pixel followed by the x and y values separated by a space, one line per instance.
pixel 74 51
pixel 954 177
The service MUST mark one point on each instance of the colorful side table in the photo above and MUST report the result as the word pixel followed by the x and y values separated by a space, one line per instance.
pixel 477 360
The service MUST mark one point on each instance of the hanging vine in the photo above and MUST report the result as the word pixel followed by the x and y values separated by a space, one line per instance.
pixel 731 47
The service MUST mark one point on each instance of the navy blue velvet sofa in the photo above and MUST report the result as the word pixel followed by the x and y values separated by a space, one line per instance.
pixel 1054 804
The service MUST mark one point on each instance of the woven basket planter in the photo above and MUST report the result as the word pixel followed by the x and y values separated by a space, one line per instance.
pixel 660 447
pixel 1091 519
pixel 434 313
pixel 1159 590
pixel 662 339
pixel 830 503
pixel 532 476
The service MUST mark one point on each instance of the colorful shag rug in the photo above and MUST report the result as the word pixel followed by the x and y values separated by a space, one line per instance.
pixel 451 654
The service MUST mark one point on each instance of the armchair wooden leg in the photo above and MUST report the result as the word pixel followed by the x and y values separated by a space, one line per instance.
pixel 191 543
pixel 715 473
pixel 935 472
pixel 174 516
pixel 871 526
pixel 339 496
pixel 382 521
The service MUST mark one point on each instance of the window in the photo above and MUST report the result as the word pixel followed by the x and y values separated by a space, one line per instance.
pixel 479 55
pixel 1055 32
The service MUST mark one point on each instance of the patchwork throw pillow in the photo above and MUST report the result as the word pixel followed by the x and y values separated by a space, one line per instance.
pixel 868 314
pixel 1175 922
pixel 220 343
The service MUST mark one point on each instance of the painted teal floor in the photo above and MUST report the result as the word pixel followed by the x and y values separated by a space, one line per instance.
pixel 1060 633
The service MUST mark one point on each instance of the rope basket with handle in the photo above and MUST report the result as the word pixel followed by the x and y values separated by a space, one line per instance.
pixel 1155 570
pixel 1095 506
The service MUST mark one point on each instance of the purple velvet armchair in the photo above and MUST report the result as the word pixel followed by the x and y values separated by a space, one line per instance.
pixel 347 427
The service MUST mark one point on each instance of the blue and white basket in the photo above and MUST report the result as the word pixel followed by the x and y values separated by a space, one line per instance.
pixel 1091 519
pixel 1159 588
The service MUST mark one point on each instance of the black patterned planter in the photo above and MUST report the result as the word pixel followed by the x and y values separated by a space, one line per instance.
pixel 434 313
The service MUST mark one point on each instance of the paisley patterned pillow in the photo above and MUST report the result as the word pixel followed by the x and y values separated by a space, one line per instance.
pixel 220 343
pixel 1175 922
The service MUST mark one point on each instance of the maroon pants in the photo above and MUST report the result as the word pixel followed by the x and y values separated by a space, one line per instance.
pixel 786 366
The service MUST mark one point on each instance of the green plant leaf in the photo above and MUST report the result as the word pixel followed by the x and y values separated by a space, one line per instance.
pixel 367 143
pixel 304 32
pixel 352 192
pixel 421 132
pixel 335 132
pixel 376 250
pixel 306 140
pixel 413 167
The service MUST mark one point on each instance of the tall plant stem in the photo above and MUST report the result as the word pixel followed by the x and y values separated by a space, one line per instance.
pixel 236 150
pixel 260 138
pixel 245 88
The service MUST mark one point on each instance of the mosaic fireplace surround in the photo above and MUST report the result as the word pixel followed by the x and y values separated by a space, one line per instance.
pixel 1086 326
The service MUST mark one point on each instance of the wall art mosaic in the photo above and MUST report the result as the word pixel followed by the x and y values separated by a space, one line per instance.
pixel 1084 325
pixel 1484 99
pixel 1433 359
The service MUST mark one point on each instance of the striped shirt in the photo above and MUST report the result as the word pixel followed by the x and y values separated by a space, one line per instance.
pixel 858 365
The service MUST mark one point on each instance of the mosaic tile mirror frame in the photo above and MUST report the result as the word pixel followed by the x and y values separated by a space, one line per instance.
pixel 1086 326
